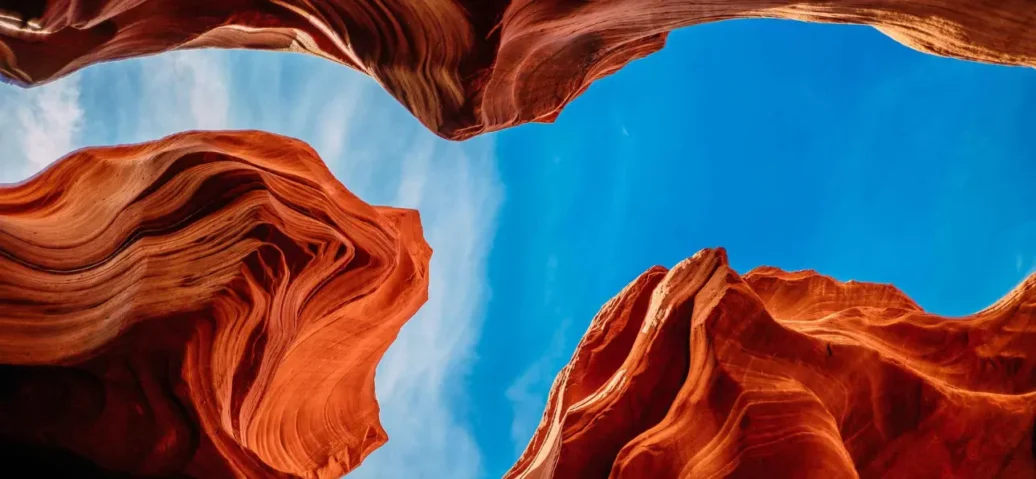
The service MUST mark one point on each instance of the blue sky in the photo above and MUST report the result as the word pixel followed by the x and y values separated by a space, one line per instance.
pixel 795 145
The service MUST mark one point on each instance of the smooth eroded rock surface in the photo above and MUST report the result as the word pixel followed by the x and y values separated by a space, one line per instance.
pixel 206 305
pixel 464 67
pixel 700 372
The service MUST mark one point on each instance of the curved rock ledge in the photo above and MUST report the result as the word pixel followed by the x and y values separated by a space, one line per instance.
pixel 206 305
pixel 700 372
pixel 464 67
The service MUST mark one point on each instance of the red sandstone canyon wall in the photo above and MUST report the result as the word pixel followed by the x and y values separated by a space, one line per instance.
pixel 207 305
pixel 700 372
pixel 464 67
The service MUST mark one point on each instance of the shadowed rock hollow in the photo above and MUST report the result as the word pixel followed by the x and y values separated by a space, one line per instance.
pixel 206 305
pixel 464 67
pixel 700 372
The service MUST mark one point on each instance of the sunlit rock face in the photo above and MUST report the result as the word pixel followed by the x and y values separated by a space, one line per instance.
pixel 465 67
pixel 207 305
pixel 700 372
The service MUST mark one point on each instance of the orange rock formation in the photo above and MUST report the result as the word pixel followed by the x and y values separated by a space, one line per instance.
pixel 699 372
pixel 468 66
pixel 209 305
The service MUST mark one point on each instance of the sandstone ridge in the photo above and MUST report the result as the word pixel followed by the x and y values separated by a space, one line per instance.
pixel 701 372
pixel 205 305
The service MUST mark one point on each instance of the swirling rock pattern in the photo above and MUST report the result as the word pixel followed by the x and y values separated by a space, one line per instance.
pixel 206 305
pixel 464 67
pixel 699 372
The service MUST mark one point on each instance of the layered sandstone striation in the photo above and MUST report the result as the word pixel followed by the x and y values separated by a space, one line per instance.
pixel 701 372
pixel 206 305
pixel 468 66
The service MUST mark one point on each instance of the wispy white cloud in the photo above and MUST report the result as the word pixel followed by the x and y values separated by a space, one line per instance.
pixel 41 125
pixel 419 380
pixel 528 393
pixel 181 91
pixel 375 148
pixel 1025 264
